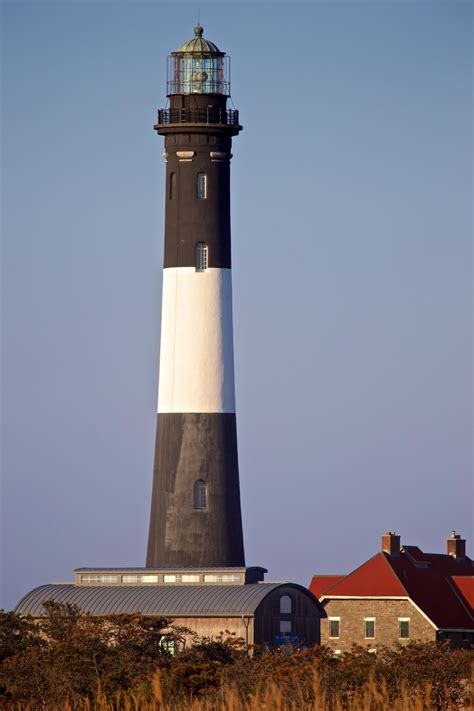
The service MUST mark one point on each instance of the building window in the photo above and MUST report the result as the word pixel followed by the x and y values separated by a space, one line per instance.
pixel 181 578
pixel 99 579
pixel 223 578
pixel 201 186
pixel 201 257
pixel 172 185
pixel 404 627
pixel 334 626
pixel 139 579
pixel 285 626
pixel 369 627
pixel 168 645
pixel 285 605
pixel 200 495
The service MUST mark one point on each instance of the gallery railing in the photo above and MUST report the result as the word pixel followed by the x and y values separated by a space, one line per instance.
pixel 229 117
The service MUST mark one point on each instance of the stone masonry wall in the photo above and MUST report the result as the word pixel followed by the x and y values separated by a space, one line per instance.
pixel 386 613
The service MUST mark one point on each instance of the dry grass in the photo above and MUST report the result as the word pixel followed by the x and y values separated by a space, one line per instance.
pixel 269 697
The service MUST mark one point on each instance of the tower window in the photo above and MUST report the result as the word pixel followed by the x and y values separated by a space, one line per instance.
pixel 201 186
pixel 200 495
pixel 285 605
pixel 201 257
pixel 172 185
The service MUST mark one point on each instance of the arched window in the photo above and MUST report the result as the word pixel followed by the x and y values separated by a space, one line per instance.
pixel 172 185
pixel 285 605
pixel 201 186
pixel 200 495
pixel 201 257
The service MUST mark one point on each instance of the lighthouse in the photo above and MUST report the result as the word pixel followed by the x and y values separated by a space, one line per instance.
pixel 195 516
pixel 195 568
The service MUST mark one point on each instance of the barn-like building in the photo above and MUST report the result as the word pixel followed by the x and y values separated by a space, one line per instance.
pixel 207 601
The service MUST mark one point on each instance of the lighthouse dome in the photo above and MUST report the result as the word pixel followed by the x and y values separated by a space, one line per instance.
pixel 199 45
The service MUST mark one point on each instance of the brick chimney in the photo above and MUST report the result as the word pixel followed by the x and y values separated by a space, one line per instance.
pixel 456 546
pixel 391 543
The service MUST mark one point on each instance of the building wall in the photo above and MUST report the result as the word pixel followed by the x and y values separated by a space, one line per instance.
pixel 303 621
pixel 261 629
pixel 217 626
pixel 386 613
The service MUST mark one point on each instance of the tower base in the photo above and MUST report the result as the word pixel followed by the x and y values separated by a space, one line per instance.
pixel 191 448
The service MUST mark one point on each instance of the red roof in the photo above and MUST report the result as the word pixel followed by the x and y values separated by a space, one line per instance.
pixel 465 587
pixel 441 586
pixel 321 583
pixel 375 578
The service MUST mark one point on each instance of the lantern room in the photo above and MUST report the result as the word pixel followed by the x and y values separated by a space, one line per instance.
pixel 198 67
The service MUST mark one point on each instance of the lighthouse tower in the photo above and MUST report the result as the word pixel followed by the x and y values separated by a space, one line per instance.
pixel 195 512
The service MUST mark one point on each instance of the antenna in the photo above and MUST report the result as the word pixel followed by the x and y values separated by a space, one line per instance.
pixel 198 17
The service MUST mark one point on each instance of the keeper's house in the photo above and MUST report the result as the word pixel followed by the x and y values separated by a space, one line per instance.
pixel 398 595
pixel 207 601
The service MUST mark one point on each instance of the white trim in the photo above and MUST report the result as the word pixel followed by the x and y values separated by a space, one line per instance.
pixel 423 614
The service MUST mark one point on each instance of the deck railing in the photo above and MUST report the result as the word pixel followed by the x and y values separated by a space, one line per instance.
pixel 229 117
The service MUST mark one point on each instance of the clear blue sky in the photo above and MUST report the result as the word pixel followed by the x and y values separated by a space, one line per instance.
pixel 351 217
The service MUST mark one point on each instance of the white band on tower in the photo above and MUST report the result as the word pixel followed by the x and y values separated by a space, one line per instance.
pixel 197 354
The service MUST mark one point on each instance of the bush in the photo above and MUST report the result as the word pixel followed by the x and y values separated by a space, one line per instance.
pixel 76 661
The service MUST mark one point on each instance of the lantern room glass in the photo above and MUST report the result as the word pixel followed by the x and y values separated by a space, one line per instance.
pixel 198 73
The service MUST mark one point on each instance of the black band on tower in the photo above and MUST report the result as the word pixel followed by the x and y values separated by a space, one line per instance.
pixel 195 511
pixel 197 200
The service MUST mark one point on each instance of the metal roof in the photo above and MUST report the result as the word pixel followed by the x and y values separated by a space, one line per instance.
pixel 167 601
pixel 199 45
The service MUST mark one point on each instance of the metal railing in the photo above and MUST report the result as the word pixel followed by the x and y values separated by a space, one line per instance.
pixel 229 117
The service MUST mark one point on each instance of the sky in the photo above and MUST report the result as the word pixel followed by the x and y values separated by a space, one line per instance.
pixel 352 272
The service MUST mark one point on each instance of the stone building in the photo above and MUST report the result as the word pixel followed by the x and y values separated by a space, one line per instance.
pixel 400 594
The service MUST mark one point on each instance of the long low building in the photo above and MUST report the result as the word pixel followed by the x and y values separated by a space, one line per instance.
pixel 262 613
